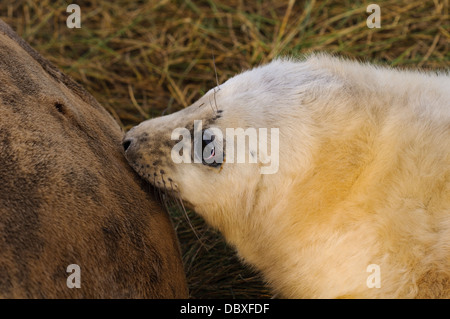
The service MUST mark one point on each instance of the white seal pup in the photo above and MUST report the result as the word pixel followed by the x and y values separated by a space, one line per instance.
pixel 356 203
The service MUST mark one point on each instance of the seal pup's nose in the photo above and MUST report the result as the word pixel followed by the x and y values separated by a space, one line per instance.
pixel 126 143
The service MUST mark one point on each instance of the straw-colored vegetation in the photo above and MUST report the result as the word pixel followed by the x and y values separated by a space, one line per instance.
pixel 141 59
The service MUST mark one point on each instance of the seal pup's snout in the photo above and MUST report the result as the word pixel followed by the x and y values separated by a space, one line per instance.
pixel 131 151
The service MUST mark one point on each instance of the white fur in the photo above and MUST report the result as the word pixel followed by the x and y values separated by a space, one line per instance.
pixel 364 177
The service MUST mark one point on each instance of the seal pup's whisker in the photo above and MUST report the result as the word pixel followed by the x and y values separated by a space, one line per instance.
pixel 217 82
pixel 160 195
pixel 154 184
pixel 189 220
pixel 166 196
pixel 210 104
pixel 171 195
pixel 215 102
pixel 215 71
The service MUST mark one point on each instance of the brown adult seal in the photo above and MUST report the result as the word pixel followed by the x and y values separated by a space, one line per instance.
pixel 67 196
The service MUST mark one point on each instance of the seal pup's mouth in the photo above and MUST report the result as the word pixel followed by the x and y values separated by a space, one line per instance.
pixel 165 190
pixel 164 187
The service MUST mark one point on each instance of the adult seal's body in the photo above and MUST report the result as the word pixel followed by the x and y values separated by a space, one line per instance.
pixel 358 203
pixel 75 220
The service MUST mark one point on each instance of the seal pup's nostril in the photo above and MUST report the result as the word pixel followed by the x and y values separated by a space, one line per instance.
pixel 126 144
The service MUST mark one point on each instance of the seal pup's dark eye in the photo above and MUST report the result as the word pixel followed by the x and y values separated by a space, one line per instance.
pixel 210 150
pixel 213 152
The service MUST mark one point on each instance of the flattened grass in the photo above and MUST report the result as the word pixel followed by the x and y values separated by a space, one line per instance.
pixel 141 59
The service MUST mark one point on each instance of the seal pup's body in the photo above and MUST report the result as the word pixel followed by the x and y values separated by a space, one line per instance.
pixel 363 177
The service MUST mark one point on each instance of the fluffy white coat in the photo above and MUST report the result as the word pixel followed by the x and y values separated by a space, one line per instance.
pixel 363 179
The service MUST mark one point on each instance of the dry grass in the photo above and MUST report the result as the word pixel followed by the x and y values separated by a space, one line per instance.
pixel 141 59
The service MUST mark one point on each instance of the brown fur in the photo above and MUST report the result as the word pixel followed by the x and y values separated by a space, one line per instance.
pixel 67 195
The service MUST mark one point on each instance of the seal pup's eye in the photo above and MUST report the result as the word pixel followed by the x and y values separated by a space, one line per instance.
pixel 213 152
pixel 210 150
